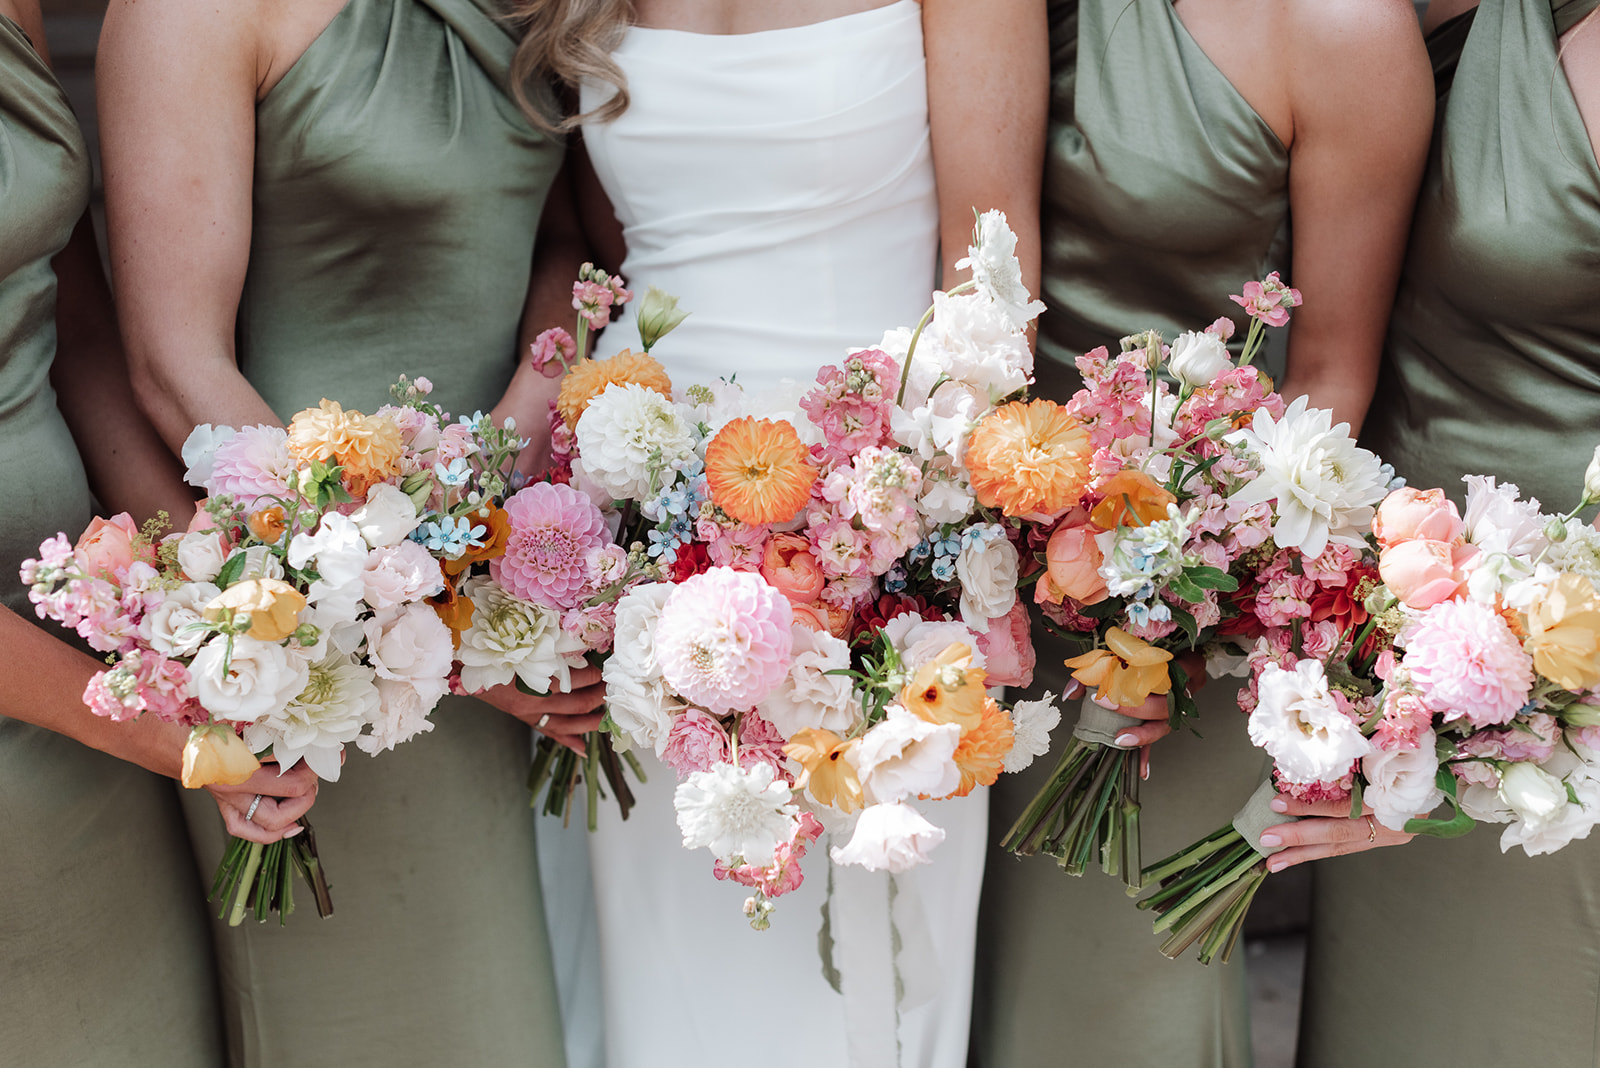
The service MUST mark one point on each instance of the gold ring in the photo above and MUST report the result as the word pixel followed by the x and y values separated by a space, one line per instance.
pixel 542 721
pixel 1372 830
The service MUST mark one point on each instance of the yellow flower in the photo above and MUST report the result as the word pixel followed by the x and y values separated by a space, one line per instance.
pixel 1124 673
pixel 214 754
pixel 1029 459
pixel 947 689
pixel 829 775
pixel 590 378
pixel 367 447
pixel 1564 633
pixel 981 756
pixel 273 606
pixel 759 470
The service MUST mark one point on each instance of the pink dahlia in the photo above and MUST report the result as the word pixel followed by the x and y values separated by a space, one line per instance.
pixel 723 639
pixel 251 465
pixel 553 529
pixel 1465 661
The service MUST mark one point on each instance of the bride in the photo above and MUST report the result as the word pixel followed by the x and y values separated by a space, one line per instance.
pixel 796 171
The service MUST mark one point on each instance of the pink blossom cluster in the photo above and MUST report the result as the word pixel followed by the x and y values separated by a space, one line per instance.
pixel 851 404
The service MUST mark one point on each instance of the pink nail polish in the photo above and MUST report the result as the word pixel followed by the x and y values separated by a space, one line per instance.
pixel 1278 804
pixel 1127 740
pixel 292 831
pixel 1270 840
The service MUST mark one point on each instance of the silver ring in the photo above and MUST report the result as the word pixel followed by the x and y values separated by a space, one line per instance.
pixel 1372 830
pixel 250 813
pixel 544 719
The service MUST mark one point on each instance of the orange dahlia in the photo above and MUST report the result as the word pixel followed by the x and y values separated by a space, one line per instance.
pixel 1029 459
pixel 947 689
pixel 829 775
pixel 367 447
pixel 981 756
pixel 759 470
pixel 1130 498
pixel 590 378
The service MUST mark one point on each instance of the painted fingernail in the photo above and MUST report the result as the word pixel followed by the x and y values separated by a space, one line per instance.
pixel 1277 865
pixel 1127 741
pixel 1270 840
pixel 1112 705
pixel 1278 804
pixel 292 831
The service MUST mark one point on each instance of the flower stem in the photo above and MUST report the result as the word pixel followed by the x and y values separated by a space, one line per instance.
pixel 247 879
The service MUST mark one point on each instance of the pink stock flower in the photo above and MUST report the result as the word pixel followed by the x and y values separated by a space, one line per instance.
pixel 553 351
pixel 723 640
pixel 1008 649
pixel 593 301
pixel 553 528
pixel 1405 718
pixel 1223 328
pixel 760 743
pixel 783 874
pixel 851 404
pixel 1465 662
pixel 696 742
pixel 1335 790
pixel 740 547
pixel 593 625
pixel 1268 300
pixel 1534 740
pixel 1114 403
pixel 840 549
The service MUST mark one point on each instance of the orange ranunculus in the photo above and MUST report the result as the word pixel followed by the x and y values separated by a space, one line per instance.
pixel 453 610
pixel 1072 559
pixel 1029 459
pixel 109 546
pixel 1564 633
pixel 273 606
pixel 1130 498
pixel 981 756
pixel 947 689
pixel 367 447
pixel 268 524
pixel 829 775
pixel 589 379
pixel 494 542
pixel 759 471
pixel 790 567
pixel 1125 672
pixel 215 754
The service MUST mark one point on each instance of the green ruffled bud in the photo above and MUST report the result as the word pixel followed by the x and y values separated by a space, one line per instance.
pixel 658 316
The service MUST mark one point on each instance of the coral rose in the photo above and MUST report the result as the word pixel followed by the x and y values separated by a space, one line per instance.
pixel 268 524
pixel 1007 648
pixel 1564 633
pixel 590 378
pixel 1073 559
pixel 1130 498
pixel 789 567
pixel 759 470
pixel 1125 672
pixel 109 547
pixel 1408 514
pixel 1029 459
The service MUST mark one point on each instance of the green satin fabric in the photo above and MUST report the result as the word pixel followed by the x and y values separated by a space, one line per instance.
pixel 104 955
pixel 1164 192
pixel 397 195
pixel 1440 954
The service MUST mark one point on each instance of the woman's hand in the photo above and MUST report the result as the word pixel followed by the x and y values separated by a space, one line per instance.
pixel 565 717
pixel 284 798
pixel 1154 712
pixel 1325 830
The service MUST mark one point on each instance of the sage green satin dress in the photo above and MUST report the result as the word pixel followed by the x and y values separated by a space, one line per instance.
pixel 1439 954
pixel 104 953
pixel 396 197
pixel 1164 192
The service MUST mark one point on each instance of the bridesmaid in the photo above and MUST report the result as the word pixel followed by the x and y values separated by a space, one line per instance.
pixel 307 199
pixel 103 944
pixel 1493 366
pixel 1183 137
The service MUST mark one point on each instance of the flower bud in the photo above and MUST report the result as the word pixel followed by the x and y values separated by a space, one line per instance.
pixel 1591 479
pixel 1198 359
pixel 658 316
pixel 1556 530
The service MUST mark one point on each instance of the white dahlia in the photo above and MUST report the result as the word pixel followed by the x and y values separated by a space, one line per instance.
pixel 340 697
pixel 629 436
pixel 509 637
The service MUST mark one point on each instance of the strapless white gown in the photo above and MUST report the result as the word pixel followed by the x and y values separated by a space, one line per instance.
pixel 780 183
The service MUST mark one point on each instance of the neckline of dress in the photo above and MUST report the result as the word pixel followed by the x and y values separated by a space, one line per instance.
pixel 822 26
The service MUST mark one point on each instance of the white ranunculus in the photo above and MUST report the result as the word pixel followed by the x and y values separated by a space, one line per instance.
pixel 402 715
pixel 410 644
pixel 1498 522
pixel 1197 359
pixel 987 568
pixel 386 518
pixel 261 677
pixel 904 755
pixel 169 628
pixel 201 554
pixel 340 697
pixel 200 452
pixel 919 641
pixel 996 271
pixel 398 574
pixel 636 695
pixel 893 837
pixel 1401 782
pixel 512 638
pixel 811 697
pixel 628 435
pixel 1031 724
pixel 735 812
pixel 1302 728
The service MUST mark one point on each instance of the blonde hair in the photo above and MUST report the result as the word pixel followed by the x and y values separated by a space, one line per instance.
pixel 565 43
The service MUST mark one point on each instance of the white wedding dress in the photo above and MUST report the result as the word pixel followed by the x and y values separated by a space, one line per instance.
pixel 780 183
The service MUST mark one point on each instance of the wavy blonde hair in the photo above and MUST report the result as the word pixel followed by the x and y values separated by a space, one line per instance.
pixel 563 44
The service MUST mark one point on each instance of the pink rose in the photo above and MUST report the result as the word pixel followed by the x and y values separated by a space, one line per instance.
pixel 1008 649
pixel 1423 573
pixel 789 567
pixel 1408 515
pixel 1073 560
pixel 107 549
pixel 695 743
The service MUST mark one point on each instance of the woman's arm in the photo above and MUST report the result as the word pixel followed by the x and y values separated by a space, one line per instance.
pixel 988 101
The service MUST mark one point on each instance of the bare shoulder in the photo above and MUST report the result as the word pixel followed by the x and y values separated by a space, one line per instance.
pixel 1356 56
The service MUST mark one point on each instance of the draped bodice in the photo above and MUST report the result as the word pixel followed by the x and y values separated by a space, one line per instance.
pixel 397 193
pixel 1164 190
pixel 1493 358
pixel 780 183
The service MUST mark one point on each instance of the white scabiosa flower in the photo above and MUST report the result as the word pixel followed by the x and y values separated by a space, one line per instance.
pixel 1301 726
pixel 340 697
pixel 628 436
pixel 992 256
pixel 735 812
pixel 512 638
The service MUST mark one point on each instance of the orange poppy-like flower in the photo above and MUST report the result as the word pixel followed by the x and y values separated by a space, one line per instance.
pixel 829 775
pixel 273 606
pixel 981 756
pixel 453 610
pixel 268 524
pixel 1029 459
pixel 947 689
pixel 367 447
pixel 759 471
pixel 1564 633
pixel 1125 672
pixel 494 542
pixel 215 754
pixel 589 379
pixel 1130 498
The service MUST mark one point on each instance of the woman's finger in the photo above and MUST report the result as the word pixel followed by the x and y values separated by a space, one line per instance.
pixel 1144 734
pixel 1295 807
pixel 1319 838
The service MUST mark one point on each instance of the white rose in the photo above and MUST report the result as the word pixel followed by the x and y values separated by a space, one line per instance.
pixel 200 452
pixel 892 837
pixel 904 756
pixel 394 576
pixel 411 645
pixel 1198 359
pixel 811 697
pixel 1302 728
pixel 386 518
pixel 919 641
pixel 201 555
pixel 168 627
pixel 259 562
pixel 1401 782
pixel 509 637
pixel 262 677
pixel 987 568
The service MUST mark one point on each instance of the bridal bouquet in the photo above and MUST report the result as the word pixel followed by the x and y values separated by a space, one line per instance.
pixel 1472 682
pixel 307 607
pixel 841 565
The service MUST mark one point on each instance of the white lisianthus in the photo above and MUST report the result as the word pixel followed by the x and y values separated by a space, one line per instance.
pixel 340 697
pixel 1591 478
pixel 386 517
pixel 1302 728
pixel 402 715
pixel 1402 782
pixel 904 755
pixel 410 644
pixel 201 554
pixel 636 695
pixel 261 677
pixel 509 637
pixel 1545 817
pixel 1323 484
pixel 811 697
pixel 628 436
pixel 1498 522
pixel 735 812
pixel 892 837
pixel 398 574
pixel 1197 359
pixel 993 260
pixel 919 641
pixel 987 568
pixel 1031 724
pixel 200 452
pixel 170 626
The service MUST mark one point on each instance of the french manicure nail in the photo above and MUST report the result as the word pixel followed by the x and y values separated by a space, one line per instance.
pixel 1277 865
pixel 1278 804
pixel 1270 840
pixel 1127 741
pixel 292 831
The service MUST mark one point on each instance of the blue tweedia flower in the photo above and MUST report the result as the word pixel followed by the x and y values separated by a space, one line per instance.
pixel 920 551
pixel 456 474
pixel 663 546
pixel 475 422
pixel 451 536
pixel 944 568
pixel 895 579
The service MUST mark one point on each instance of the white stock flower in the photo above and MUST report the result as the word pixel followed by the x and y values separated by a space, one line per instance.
pixel 919 641
pixel 637 697
pixel 892 837
pixel 402 715
pixel 201 554
pixel 735 812
pixel 993 260
pixel 946 498
pixel 1302 728
pixel 1578 553
pixel 261 677
pixel 1031 724
pixel 974 342
pixel 1197 359
pixel 904 755
pixel 1401 782
pixel 987 568
pixel 386 517
pixel 410 644
pixel 511 638
pixel 200 452
pixel 1498 522
pixel 339 698
pixel 170 627
pixel 1324 485
pixel 627 436
pixel 811 697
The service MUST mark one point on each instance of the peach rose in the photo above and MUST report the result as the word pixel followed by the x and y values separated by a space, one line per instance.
pixel 1073 559
pixel 108 546
pixel 1422 573
pixel 1409 514
pixel 273 606
pixel 790 568
pixel 823 618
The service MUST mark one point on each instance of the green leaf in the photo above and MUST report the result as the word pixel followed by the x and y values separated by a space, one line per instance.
pixel 1180 586
pixel 231 571
pixel 1211 578
pixel 1186 621
pixel 1458 825
pixel 1355 799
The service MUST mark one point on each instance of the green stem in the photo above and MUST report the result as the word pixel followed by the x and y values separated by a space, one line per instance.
pixel 247 880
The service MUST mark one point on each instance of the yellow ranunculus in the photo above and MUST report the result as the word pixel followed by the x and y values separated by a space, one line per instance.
pixel 1124 673
pixel 829 775
pixel 273 606
pixel 947 689
pixel 215 754
pixel 1564 633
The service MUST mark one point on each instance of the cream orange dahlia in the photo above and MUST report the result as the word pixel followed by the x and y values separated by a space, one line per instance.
pixel 1029 459
pixel 589 379
pixel 759 470
pixel 367 447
